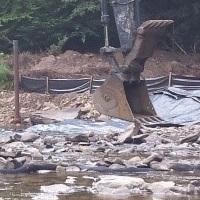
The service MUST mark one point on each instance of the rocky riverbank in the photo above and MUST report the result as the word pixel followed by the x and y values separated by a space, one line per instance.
pixel 31 103
pixel 134 150
pixel 137 150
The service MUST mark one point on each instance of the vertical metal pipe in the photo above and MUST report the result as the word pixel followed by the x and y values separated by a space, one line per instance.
pixel 137 13
pixel 17 118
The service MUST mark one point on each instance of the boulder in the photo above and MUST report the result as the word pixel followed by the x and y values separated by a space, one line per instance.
pixel 126 137
pixel 29 137
pixel 120 186
pixel 153 157
pixel 190 138
pixel 161 188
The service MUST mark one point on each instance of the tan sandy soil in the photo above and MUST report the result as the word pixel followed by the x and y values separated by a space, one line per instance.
pixel 75 64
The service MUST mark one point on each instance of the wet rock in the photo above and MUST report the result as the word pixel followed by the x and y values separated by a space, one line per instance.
pixel 60 169
pixel 126 137
pixel 56 189
pixel 116 166
pixel 120 186
pixel 72 169
pixel 15 146
pixel 29 137
pixel 162 187
pixel 102 163
pixel 127 150
pixel 190 138
pixel 3 163
pixel 5 140
pixel 153 157
pixel 84 143
pixel 20 160
pixel 35 154
pixel 80 138
pixel 9 154
pixel 38 143
pixel 133 161
pixel 139 139
pixel 100 149
pixel 159 166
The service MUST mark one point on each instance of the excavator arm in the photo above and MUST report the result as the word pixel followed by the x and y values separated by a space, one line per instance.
pixel 124 95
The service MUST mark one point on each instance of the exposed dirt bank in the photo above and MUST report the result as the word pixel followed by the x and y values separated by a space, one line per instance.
pixel 71 63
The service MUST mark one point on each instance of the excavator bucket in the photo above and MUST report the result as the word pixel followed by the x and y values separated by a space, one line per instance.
pixel 123 100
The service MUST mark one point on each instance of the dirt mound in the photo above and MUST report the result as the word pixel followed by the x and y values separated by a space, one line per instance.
pixel 163 62
pixel 70 63
pixel 75 64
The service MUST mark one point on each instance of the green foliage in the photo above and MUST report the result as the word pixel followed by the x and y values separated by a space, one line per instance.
pixel 4 72
pixel 40 23
pixel 75 24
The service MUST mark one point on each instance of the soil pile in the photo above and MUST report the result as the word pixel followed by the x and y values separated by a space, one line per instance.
pixel 75 64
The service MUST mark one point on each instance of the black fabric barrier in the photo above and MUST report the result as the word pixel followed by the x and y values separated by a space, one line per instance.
pixel 60 86
pixel 33 84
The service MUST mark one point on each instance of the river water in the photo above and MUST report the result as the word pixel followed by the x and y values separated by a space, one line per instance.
pixel 38 187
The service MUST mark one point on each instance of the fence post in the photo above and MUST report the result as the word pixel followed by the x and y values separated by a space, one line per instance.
pixel 170 79
pixel 47 85
pixel 91 84
pixel 17 117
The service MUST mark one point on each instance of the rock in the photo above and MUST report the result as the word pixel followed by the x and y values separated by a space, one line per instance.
pixel 139 139
pixel 15 146
pixel 126 137
pixel 72 169
pixel 116 166
pixel 5 140
pixel 38 143
pixel 127 151
pixel 153 157
pixel 20 160
pixel 159 166
pixel 190 138
pixel 100 149
pixel 84 143
pixel 34 153
pixel 161 188
pixel 60 169
pixel 120 186
pixel 56 189
pixel 133 161
pixel 80 138
pixel 9 154
pixel 29 137
pixel 3 163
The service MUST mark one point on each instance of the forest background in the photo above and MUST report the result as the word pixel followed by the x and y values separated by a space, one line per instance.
pixel 58 25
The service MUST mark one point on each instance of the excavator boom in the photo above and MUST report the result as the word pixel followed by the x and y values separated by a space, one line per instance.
pixel 124 95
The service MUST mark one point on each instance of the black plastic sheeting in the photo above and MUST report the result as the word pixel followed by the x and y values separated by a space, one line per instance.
pixel 177 106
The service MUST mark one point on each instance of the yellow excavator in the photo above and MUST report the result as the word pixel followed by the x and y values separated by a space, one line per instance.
pixel 124 94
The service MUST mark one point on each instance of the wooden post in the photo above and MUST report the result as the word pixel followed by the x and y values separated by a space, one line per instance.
pixel 91 83
pixel 17 118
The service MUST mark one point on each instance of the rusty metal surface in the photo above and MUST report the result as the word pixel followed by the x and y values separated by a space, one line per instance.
pixel 148 35
pixel 121 100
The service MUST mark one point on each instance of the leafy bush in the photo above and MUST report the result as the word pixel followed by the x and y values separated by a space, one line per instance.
pixel 4 72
